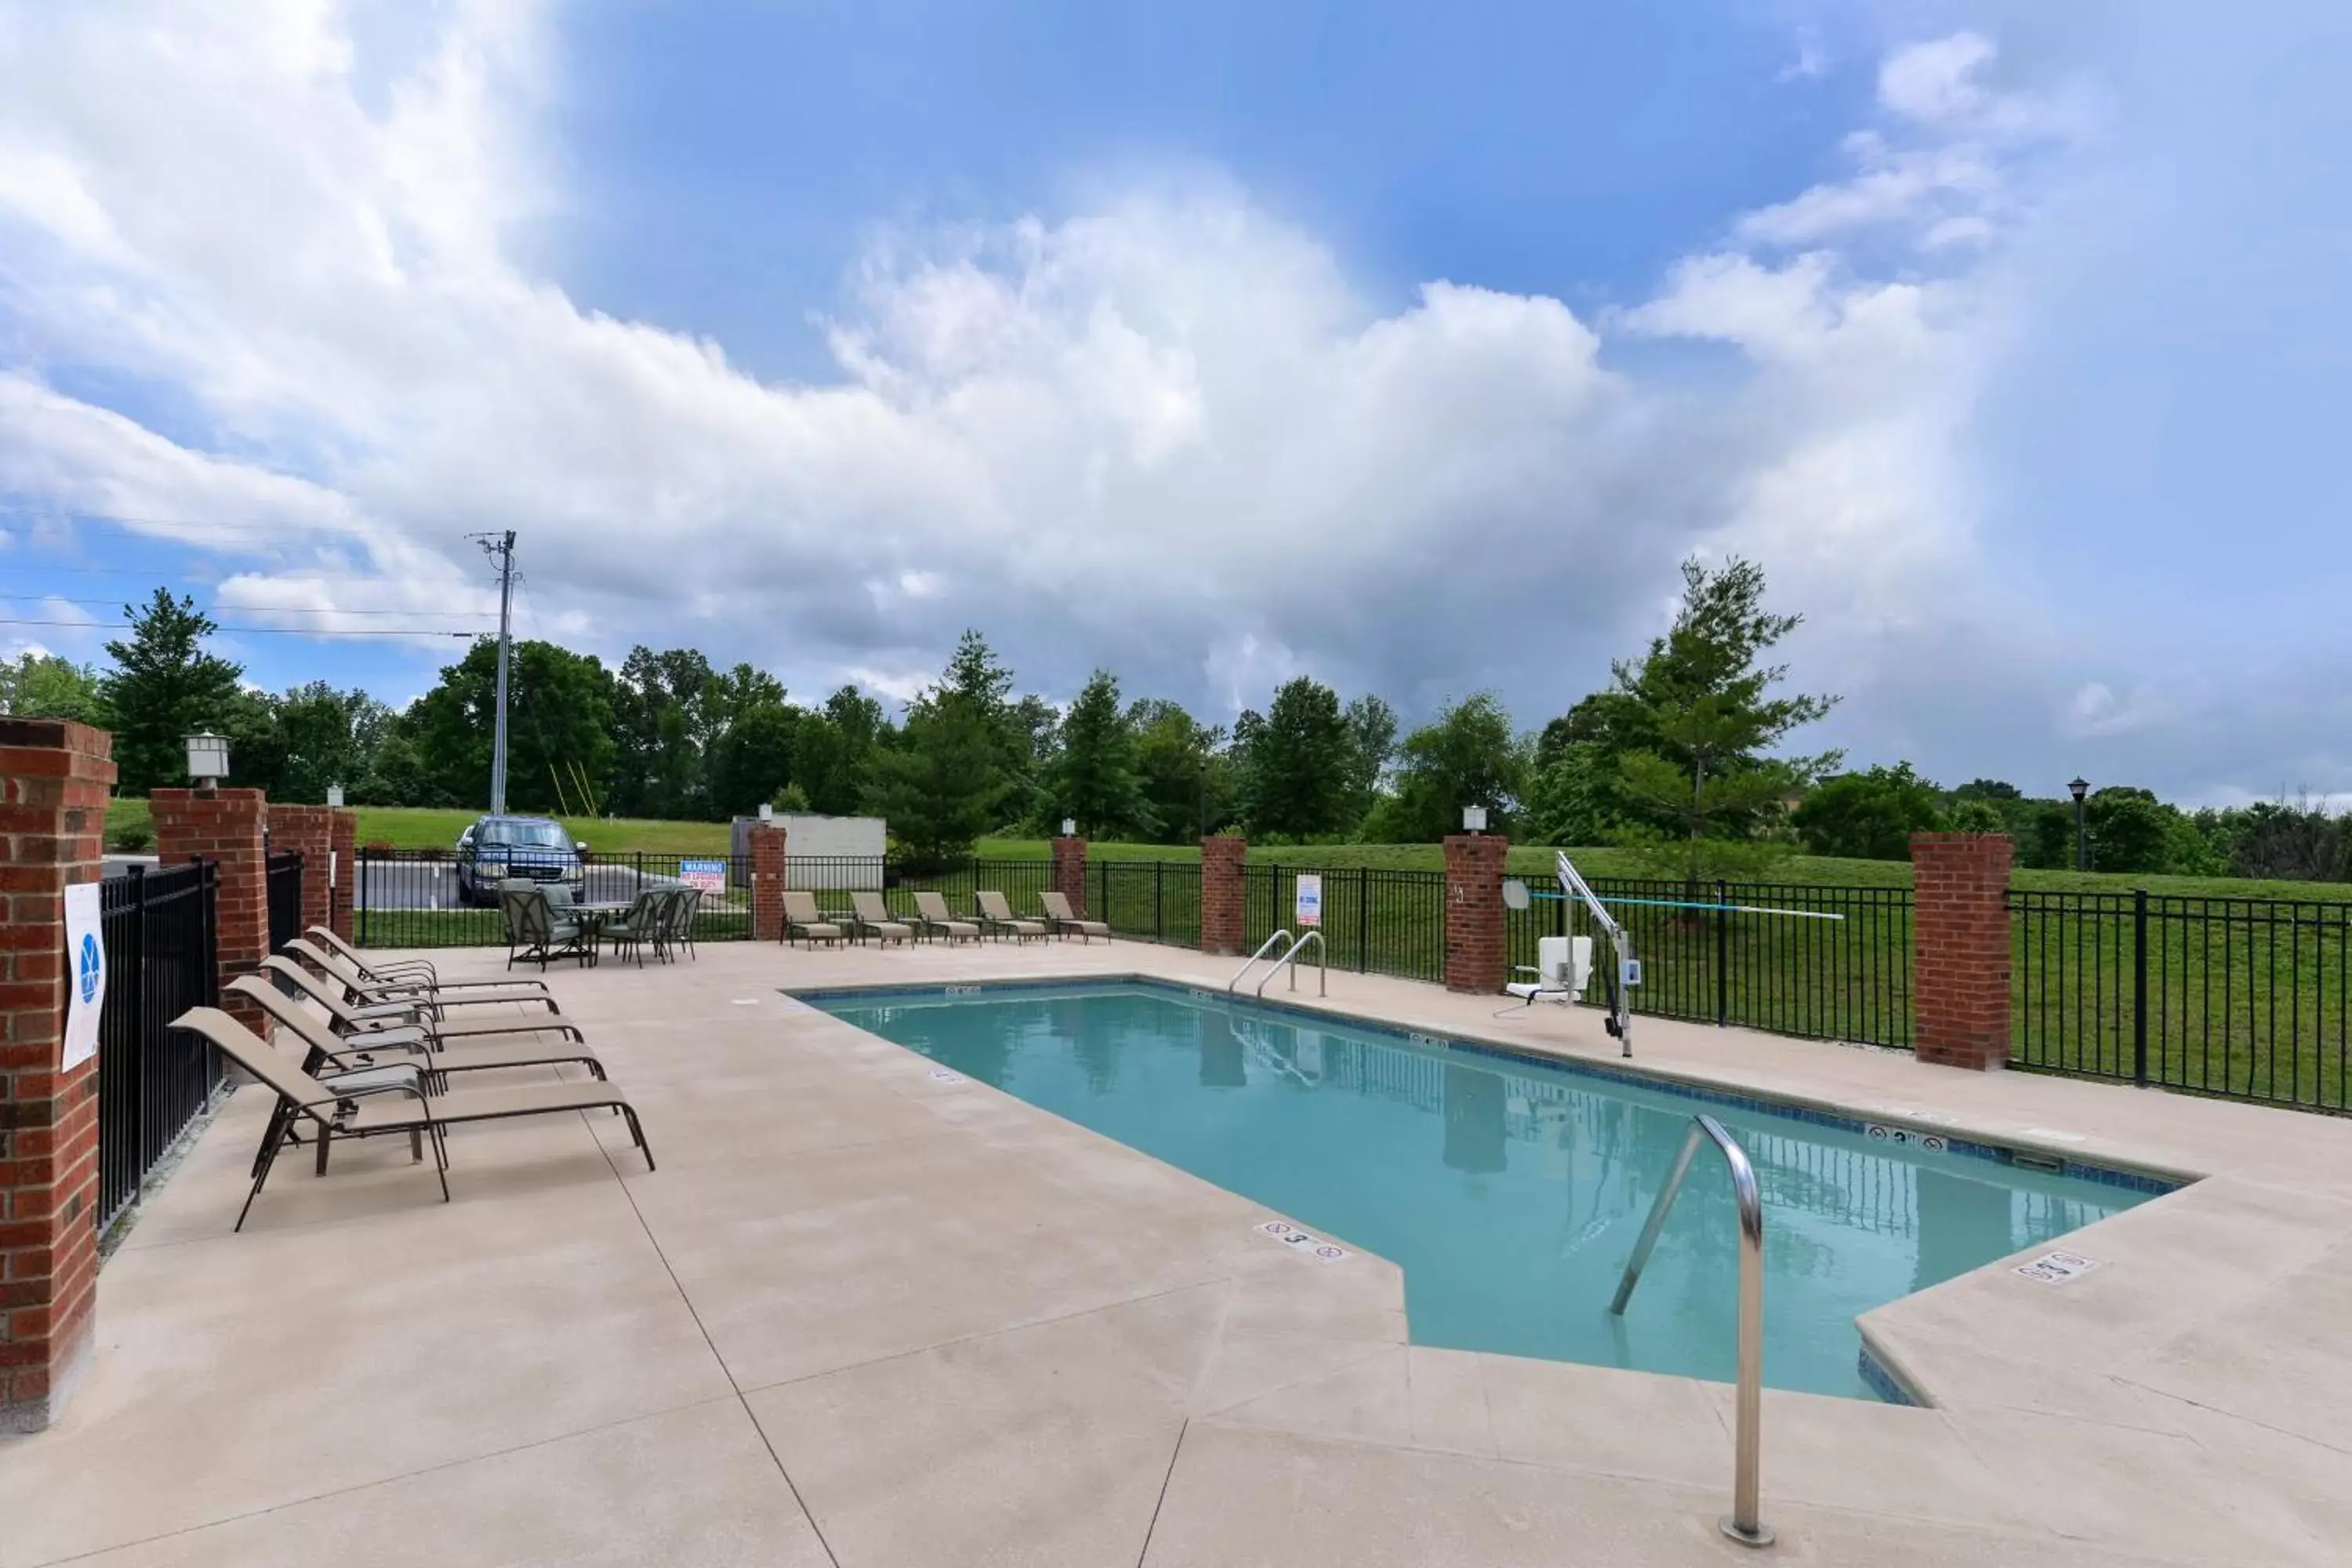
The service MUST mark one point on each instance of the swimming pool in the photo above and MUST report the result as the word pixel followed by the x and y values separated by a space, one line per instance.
pixel 1511 1191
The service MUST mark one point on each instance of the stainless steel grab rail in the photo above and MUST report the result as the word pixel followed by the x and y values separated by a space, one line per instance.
pixel 1263 949
pixel 1291 957
pixel 1742 1523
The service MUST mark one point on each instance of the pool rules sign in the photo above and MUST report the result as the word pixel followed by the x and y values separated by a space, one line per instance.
pixel 85 975
pixel 1309 910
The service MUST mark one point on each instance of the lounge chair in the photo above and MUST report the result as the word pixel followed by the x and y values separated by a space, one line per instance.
pixel 534 931
pixel 872 915
pixel 931 915
pixel 802 919
pixel 1563 965
pixel 345 1115
pixel 348 1019
pixel 1064 920
pixel 380 969
pixel 997 915
pixel 454 994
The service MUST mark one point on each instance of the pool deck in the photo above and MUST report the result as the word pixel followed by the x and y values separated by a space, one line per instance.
pixel 862 1316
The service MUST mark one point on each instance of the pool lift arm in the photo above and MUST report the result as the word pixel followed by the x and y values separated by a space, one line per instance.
pixel 1619 1021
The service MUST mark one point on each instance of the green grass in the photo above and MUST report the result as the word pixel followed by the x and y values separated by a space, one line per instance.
pixel 427 828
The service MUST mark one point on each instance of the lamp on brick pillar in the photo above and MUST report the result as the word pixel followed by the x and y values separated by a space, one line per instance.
pixel 1474 909
pixel 54 779
pixel 1959 948
pixel 207 759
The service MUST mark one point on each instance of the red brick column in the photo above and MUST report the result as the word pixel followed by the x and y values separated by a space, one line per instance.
pixel 344 844
pixel 1474 912
pixel 54 778
pixel 223 825
pixel 1959 948
pixel 1222 922
pixel 767 882
pixel 1070 872
pixel 308 830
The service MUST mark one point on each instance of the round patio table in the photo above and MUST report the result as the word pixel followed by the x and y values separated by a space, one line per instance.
pixel 593 919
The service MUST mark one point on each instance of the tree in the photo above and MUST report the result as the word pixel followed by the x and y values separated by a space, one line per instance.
pixel 2299 843
pixel 1869 815
pixel 756 758
pixel 1468 756
pixel 834 749
pixel 1095 781
pixel 38 685
pixel 941 785
pixel 324 737
pixel 559 726
pixel 1372 727
pixel 661 730
pixel 1701 778
pixel 1296 763
pixel 2130 829
pixel 163 687
pixel 1568 801
pixel 1183 775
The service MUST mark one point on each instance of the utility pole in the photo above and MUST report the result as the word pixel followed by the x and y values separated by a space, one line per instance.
pixel 501 548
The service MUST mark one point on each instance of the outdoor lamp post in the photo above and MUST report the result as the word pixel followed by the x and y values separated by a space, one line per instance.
pixel 2080 788
pixel 207 759
pixel 1069 828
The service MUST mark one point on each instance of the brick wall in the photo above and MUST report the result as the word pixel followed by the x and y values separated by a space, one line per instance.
pixel 1959 948
pixel 343 844
pixel 1220 893
pixel 224 827
pixel 1070 872
pixel 768 846
pixel 1474 912
pixel 307 831
pixel 54 779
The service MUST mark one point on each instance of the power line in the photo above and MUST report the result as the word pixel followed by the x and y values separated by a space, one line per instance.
pixel 259 631
pixel 266 609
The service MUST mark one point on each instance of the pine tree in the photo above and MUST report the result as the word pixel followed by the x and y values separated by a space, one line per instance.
pixel 163 688
pixel 1095 782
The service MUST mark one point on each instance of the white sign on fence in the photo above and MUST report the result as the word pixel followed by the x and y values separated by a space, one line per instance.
pixel 1310 899
pixel 86 971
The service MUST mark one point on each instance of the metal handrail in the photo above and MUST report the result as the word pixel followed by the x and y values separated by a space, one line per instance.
pixel 1282 935
pixel 1290 956
pixel 1742 1523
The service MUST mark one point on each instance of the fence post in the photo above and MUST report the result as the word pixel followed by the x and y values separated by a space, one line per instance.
pixel 1959 948
pixel 225 827
pixel 1722 956
pixel 1070 872
pixel 343 871
pixel 1474 912
pixel 310 832
pixel 767 846
pixel 1363 920
pixel 2140 987
pixel 54 778
pixel 1222 918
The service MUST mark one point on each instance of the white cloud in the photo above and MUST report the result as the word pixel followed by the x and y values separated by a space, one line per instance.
pixel 1936 82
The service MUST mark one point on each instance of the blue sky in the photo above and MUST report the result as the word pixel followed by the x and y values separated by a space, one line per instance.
pixel 1408 347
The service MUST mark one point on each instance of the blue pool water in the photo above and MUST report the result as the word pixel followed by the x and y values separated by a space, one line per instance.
pixel 1511 1191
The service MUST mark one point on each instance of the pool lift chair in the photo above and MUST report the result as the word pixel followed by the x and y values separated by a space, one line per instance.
pixel 1562 969
pixel 1627 973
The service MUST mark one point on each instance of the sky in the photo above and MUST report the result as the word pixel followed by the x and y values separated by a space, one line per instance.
pixel 1408 347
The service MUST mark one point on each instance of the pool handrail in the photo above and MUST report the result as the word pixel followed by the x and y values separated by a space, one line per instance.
pixel 1290 956
pixel 1742 1523
pixel 1263 949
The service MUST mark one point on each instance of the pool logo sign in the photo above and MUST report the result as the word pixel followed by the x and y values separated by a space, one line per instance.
pixel 85 954
pixel 1310 899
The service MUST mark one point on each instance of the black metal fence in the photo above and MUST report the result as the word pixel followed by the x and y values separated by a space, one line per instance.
pixel 283 876
pixel 2251 998
pixel 1374 921
pixel 431 900
pixel 159 932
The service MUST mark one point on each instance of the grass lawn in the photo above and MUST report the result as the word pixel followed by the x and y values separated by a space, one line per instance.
pixel 423 827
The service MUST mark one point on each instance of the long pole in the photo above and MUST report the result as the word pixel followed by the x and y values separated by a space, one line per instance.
pixel 504 550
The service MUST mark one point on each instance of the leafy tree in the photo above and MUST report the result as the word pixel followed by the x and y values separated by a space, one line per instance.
pixel 1700 704
pixel 163 687
pixel 558 718
pixel 1869 815
pixel 834 749
pixel 1467 756
pixel 1297 760
pixel 941 785
pixel 1373 726
pixel 2130 829
pixel 1183 773
pixel 1974 814
pixel 662 730
pixel 755 759
pixel 1569 798
pixel 1096 780
pixel 324 737
pixel 43 685
pixel 2300 843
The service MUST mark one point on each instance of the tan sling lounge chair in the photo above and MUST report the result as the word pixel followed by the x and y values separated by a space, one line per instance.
pixel 383 971
pixel 997 915
pixel 463 993
pixel 931 914
pixel 334 1115
pixel 350 1020
pixel 1063 918
pixel 802 919
pixel 874 915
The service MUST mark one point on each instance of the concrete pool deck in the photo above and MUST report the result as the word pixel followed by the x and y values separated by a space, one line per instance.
pixel 862 1316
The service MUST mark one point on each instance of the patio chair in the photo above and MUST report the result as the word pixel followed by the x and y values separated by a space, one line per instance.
pixel 455 994
pixel 347 1115
pixel 872 915
pixel 996 915
pixel 374 1022
pixel 931 915
pixel 403 969
pixel 1562 967
pixel 641 927
pixel 801 917
pixel 1064 920
pixel 685 908
pixel 533 931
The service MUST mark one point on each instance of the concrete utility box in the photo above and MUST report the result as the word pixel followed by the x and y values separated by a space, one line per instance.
pixel 822 851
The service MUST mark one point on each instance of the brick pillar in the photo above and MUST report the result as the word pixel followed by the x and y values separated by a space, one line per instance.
pixel 343 870
pixel 767 882
pixel 1070 872
pixel 309 831
pixel 54 779
pixel 1222 920
pixel 1959 948
pixel 1474 912
pixel 225 827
